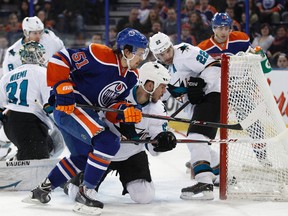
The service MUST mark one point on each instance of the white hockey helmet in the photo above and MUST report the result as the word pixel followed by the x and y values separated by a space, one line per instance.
pixel 155 72
pixel 32 24
pixel 159 42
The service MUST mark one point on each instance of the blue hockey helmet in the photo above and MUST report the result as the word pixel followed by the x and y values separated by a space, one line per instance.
pixel 132 37
pixel 221 19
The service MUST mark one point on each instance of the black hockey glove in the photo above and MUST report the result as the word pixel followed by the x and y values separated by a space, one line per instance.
pixel 195 90
pixel 166 141
pixel 176 91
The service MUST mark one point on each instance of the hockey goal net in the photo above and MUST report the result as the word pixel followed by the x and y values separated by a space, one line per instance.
pixel 253 170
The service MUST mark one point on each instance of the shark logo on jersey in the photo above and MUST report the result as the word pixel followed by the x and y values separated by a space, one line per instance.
pixel 111 92
pixel 12 52
pixel 183 48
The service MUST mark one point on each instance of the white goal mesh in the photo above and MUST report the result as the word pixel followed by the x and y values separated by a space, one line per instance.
pixel 256 171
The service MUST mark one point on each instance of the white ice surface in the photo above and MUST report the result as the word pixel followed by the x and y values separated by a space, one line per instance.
pixel 169 175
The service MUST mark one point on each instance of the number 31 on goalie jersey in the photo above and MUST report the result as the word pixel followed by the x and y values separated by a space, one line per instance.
pixel 12 89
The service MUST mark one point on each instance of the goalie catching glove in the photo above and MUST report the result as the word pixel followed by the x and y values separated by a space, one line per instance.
pixel 63 97
pixel 196 90
pixel 166 141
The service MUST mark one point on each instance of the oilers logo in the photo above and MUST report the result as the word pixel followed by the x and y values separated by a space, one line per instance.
pixel 111 92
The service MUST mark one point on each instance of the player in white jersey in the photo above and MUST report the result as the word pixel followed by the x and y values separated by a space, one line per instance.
pixel 195 78
pixel 33 30
pixel 24 121
pixel 131 160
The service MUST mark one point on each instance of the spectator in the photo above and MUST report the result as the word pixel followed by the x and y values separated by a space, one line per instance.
pixel 170 24
pixel 13 29
pixel 235 25
pixel 188 9
pixel 280 43
pixel 186 35
pixel 238 8
pixel 49 14
pixel 24 9
pixel 156 27
pixel 153 17
pixel 47 24
pixel 130 21
pixel 200 30
pixel 254 23
pixel 282 61
pixel 96 38
pixel 270 10
pixel 161 9
pixel 265 39
pixel 143 12
pixel 206 10
pixel 112 36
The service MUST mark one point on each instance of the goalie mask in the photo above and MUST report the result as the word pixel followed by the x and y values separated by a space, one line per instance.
pixel 155 72
pixel 32 53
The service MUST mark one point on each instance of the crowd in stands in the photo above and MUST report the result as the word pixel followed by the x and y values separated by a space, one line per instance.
pixel 268 20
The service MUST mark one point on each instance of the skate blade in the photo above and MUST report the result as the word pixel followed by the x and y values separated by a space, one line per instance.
pixel 206 195
pixel 87 210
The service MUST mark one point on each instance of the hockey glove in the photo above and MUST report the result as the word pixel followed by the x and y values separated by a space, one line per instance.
pixel 176 91
pixel 64 96
pixel 166 141
pixel 131 114
pixel 196 90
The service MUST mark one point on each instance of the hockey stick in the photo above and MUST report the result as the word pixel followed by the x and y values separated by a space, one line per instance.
pixel 180 109
pixel 169 118
pixel 282 136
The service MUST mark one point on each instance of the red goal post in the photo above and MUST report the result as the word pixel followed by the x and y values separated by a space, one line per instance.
pixel 259 170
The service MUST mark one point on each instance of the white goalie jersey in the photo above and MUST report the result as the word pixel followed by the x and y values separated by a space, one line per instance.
pixel 49 40
pixel 25 90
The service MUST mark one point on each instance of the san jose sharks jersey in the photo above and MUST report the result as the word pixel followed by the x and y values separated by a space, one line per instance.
pixel 237 41
pixel 191 61
pixel 49 40
pixel 24 90
pixel 96 72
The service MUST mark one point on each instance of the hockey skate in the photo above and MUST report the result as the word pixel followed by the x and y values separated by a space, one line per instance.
pixel 200 191
pixel 76 180
pixel 41 193
pixel 86 202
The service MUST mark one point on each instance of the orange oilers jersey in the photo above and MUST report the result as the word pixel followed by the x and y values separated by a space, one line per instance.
pixel 237 41
pixel 96 72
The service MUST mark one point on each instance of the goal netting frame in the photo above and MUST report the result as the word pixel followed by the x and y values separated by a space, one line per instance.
pixel 254 171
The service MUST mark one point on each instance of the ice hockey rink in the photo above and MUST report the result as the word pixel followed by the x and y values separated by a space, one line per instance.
pixel 169 175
